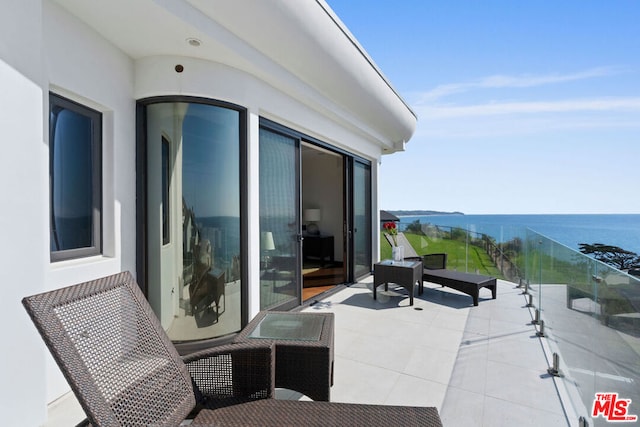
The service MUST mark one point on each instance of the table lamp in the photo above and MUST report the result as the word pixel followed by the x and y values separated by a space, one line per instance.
pixel 312 216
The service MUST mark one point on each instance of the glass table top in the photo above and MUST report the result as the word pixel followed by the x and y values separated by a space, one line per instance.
pixel 398 263
pixel 289 326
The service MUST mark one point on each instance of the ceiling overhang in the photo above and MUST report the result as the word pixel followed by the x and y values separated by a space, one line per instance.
pixel 298 46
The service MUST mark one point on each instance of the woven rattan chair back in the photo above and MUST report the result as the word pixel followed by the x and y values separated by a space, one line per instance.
pixel 114 353
pixel 435 261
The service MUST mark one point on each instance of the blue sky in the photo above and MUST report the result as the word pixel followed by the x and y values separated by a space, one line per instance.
pixel 523 106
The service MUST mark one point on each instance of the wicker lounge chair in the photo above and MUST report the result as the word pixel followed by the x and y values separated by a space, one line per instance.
pixel 125 371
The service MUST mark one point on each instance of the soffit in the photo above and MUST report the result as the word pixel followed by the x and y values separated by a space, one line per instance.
pixel 298 46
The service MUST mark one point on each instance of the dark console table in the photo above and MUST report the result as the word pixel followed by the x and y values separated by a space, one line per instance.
pixel 318 247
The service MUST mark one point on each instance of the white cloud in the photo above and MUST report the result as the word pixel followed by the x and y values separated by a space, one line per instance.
pixel 626 104
pixel 518 119
pixel 480 112
pixel 522 81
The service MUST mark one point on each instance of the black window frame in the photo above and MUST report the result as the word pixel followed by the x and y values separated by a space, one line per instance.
pixel 166 191
pixel 142 251
pixel 57 102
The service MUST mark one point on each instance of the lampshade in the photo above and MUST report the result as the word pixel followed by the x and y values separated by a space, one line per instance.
pixel 312 215
pixel 266 241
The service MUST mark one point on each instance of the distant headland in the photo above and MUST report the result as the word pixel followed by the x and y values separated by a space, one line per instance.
pixel 423 213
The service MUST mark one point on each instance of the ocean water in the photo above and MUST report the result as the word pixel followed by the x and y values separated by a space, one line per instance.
pixel 570 230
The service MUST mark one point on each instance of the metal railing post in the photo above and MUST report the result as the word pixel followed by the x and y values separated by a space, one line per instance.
pixel 540 332
pixel 555 369
pixel 536 317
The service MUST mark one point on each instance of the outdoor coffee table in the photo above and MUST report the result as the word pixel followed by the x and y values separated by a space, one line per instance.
pixel 304 349
pixel 403 273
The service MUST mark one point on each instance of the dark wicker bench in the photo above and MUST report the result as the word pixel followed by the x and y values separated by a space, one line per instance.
pixel 279 413
pixel 435 272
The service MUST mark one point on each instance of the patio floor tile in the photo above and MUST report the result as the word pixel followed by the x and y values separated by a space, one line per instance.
pixel 480 366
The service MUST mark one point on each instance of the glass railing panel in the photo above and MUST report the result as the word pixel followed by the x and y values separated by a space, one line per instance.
pixel 590 311
pixel 467 249
pixel 591 320
pixel 615 337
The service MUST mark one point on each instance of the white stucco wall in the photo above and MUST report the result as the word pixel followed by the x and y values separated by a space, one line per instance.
pixel 22 197
pixel 44 48
pixel 157 76
pixel 84 67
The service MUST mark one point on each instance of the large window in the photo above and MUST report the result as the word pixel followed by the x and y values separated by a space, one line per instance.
pixel 193 155
pixel 75 179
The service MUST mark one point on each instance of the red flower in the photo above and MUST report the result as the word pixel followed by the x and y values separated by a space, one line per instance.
pixel 390 227
pixel 392 230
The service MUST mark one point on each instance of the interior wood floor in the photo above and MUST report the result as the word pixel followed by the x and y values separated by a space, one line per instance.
pixel 319 280
pixel 308 293
pixel 323 276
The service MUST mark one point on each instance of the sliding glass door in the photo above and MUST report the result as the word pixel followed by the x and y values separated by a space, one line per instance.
pixel 280 253
pixel 361 230
pixel 299 174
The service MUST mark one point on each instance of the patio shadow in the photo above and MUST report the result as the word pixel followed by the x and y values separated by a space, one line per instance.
pixel 450 298
pixel 397 297
pixel 386 300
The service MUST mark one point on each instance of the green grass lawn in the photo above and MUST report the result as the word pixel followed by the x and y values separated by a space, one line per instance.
pixel 477 261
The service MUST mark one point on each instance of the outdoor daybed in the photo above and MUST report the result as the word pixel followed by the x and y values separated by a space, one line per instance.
pixel 435 272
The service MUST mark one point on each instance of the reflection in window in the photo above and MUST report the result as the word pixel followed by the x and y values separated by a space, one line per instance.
pixel 362 218
pixel 278 220
pixel 75 134
pixel 194 283
pixel 166 171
